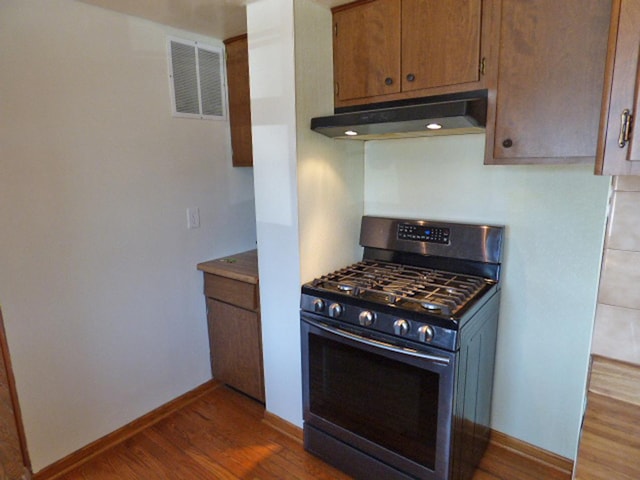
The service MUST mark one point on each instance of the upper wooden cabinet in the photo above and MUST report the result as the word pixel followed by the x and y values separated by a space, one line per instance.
pixel 398 49
pixel 545 104
pixel 618 145
pixel 239 101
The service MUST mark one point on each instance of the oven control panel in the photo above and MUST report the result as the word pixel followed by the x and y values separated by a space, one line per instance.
pixel 423 233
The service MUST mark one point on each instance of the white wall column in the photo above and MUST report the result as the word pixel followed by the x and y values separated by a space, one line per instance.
pixel 272 82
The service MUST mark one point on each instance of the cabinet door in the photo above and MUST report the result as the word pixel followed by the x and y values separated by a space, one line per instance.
pixel 440 43
pixel 14 460
pixel 236 347
pixel 239 101
pixel 366 55
pixel 616 157
pixel 550 77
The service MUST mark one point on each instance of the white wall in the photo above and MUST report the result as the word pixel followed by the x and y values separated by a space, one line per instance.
pixel 309 190
pixel 272 80
pixel 330 173
pixel 555 225
pixel 98 283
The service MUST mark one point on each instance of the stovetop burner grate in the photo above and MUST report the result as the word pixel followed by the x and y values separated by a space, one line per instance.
pixel 405 286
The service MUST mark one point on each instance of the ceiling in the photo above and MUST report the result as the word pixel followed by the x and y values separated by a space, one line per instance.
pixel 220 19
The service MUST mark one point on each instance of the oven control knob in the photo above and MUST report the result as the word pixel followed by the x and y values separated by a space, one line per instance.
pixel 426 333
pixel 366 318
pixel 401 327
pixel 318 305
pixel 335 310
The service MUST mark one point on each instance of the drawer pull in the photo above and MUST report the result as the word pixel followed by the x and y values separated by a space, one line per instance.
pixel 625 127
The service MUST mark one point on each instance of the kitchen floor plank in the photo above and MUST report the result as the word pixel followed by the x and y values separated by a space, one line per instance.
pixel 222 436
pixel 610 440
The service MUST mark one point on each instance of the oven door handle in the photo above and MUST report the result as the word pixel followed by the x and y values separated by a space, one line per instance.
pixel 378 343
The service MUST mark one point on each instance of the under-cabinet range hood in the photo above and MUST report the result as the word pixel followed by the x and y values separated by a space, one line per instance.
pixel 443 115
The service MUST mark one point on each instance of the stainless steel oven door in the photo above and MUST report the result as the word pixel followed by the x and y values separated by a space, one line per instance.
pixel 385 402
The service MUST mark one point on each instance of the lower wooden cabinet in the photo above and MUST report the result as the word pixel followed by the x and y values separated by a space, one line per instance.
pixel 233 318
pixel 236 347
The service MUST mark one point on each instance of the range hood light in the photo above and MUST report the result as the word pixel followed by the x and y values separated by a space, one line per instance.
pixel 351 133
pixel 434 126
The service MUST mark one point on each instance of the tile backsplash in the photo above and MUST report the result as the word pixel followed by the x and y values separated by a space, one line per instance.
pixel 617 325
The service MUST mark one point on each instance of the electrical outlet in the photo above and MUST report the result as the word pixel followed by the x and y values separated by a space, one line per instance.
pixel 193 217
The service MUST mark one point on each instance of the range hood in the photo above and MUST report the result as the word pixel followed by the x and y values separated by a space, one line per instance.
pixel 443 115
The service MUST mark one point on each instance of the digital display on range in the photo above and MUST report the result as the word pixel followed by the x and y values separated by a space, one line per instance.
pixel 423 233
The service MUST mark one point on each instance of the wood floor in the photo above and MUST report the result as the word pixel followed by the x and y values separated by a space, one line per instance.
pixel 610 443
pixel 222 435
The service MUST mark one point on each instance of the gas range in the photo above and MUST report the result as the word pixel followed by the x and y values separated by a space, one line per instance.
pixel 415 303
pixel 398 351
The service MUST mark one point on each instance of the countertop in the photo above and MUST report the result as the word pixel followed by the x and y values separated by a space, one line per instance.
pixel 240 266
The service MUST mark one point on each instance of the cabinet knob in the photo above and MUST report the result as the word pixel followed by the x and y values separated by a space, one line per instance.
pixel 388 81
pixel 508 143
pixel 411 77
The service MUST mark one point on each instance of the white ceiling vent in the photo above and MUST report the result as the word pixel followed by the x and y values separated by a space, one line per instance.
pixel 197 79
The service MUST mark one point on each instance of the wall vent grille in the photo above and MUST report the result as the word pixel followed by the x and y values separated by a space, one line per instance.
pixel 196 74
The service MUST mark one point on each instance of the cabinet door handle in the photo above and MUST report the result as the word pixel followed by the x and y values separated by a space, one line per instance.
pixel 388 81
pixel 507 143
pixel 411 77
pixel 625 127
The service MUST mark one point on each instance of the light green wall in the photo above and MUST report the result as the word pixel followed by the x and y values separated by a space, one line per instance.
pixel 555 219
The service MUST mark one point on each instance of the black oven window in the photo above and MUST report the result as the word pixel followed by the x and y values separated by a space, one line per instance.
pixel 390 403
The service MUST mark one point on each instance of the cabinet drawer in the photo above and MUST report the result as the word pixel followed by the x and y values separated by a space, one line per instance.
pixel 231 291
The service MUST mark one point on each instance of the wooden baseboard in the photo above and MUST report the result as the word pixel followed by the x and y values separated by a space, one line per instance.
pixel 281 425
pixel 88 452
pixel 544 457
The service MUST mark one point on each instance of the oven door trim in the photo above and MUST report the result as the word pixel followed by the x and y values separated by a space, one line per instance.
pixel 441 362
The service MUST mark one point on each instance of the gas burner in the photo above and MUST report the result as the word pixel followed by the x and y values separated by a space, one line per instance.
pixel 432 291
pixel 348 289
pixel 432 307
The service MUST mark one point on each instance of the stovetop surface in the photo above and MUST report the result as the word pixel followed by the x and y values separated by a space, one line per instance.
pixel 405 287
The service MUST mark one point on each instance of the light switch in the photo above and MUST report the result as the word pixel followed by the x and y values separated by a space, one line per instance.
pixel 193 217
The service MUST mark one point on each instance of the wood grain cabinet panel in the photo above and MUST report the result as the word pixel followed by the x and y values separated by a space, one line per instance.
pixel 367 50
pixel 239 101
pixel 551 60
pixel 230 290
pixel 621 98
pixel 236 347
pixel 400 49
pixel 440 43
pixel 14 459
